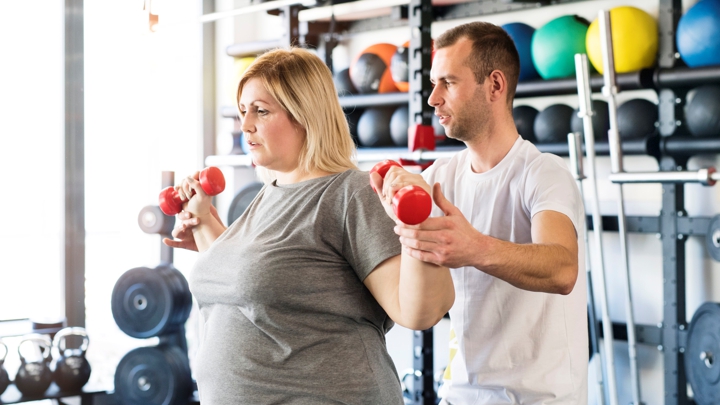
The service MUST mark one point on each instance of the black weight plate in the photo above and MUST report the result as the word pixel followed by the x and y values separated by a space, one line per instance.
pixel 181 291
pixel 153 376
pixel 242 200
pixel 702 354
pixel 712 238
pixel 153 221
pixel 143 303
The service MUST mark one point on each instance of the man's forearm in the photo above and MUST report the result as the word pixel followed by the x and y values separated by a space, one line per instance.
pixel 549 268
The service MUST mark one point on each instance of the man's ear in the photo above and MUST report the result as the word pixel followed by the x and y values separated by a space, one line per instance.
pixel 498 85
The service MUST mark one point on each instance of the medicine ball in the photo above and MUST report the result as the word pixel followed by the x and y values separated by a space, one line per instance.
pixel 555 44
pixel 343 84
pixel 553 123
pixel 399 126
pixel 399 67
pixel 636 118
pixel 634 36
pixel 374 127
pixel 370 71
pixel 698 34
pixel 521 35
pixel 524 117
pixel 702 112
pixel 353 114
pixel 600 120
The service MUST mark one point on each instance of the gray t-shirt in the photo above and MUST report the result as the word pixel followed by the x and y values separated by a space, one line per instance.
pixel 287 319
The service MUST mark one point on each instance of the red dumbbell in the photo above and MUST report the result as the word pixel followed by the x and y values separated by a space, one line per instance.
pixel 411 204
pixel 212 182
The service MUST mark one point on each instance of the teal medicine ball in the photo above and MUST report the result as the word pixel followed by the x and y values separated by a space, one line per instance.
pixel 555 44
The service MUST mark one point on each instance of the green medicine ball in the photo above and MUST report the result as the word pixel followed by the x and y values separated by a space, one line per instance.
pixel 555 44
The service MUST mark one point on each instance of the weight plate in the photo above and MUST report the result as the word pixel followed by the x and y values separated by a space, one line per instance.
pixel 242 200
pixel 712 238
pixel 149 302
pixel 152 220
pixel 153 376
pixel 703 346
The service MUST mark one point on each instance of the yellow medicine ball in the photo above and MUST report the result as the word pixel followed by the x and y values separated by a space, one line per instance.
pixel 635 40
pixel 240 65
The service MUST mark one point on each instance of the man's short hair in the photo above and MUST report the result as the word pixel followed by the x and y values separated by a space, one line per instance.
pixel 493 49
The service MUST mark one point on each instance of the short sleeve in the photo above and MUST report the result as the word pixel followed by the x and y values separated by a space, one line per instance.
pixel 369 238
pixel 549 186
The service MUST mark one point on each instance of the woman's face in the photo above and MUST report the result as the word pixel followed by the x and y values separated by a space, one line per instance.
pixel 274 139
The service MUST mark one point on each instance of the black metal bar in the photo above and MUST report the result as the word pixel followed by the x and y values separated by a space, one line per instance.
pixel 650 335
pixel 679 77
pixel 166 252
pixel 423 392
pixel 673 206
pixel 633 224
pixel 74 164
pixel 291 34
pixel 697 226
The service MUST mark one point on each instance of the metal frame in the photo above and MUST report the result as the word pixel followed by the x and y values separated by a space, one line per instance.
pixel 74 262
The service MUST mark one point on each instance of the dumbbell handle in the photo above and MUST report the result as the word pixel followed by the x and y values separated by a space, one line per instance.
pixel 212 182
pixel 411 204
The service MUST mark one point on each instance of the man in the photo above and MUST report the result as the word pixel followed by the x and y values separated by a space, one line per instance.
pixel 509 225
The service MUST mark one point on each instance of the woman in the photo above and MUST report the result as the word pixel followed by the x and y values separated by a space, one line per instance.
pixel 297 294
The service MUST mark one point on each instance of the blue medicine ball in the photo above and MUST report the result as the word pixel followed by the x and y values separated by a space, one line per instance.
pixel 698 34
pixel 522 34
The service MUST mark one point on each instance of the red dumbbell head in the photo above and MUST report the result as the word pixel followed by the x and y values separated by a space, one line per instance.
pixel 169 201
pixel 412 205
pixel 212 180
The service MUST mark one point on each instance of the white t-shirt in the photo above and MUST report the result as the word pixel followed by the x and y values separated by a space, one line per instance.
pixel 514 346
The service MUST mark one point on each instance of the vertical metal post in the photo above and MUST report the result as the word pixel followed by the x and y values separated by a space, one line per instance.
pixel 582 72
pixel 74 164
pixel 291 35
pixel 423 392
pixel 616 160
pixel 166 252
pixel 420 51
pixel 209 84
pixel 673 206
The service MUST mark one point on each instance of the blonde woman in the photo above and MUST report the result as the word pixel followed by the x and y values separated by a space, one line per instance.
pixel 297 294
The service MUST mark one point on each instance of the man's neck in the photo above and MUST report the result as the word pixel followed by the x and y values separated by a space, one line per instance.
pixel 490 147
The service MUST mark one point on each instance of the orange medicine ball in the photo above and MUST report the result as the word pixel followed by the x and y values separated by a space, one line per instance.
pixel 370 71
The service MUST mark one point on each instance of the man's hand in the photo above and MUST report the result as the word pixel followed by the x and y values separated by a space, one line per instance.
pixel 449 241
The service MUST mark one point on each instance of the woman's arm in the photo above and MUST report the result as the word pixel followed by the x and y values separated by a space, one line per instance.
pixel 414 294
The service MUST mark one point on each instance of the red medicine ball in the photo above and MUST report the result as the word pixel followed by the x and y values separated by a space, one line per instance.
pixel 370 71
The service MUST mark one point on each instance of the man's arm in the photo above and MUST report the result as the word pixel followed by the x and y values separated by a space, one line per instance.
pixel 549 264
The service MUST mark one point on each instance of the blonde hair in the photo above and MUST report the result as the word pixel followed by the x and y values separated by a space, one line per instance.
pixel 303 85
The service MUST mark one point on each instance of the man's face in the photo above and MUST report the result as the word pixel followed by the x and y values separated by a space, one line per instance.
pixel 460 101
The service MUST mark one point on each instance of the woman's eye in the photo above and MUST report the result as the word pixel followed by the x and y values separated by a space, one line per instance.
pixel 261 111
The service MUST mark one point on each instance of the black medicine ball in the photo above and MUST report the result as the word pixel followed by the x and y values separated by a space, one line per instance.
pixel 524 117
pixel 399 126
pixel 374 127
pixel 552 125
pixel 702 112
pixel 636 118
pixel 343 84
pixel 600 121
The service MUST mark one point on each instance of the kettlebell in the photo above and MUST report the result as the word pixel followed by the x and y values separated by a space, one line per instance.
pixel 34 377
pixel 4 379
pixel 72 370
